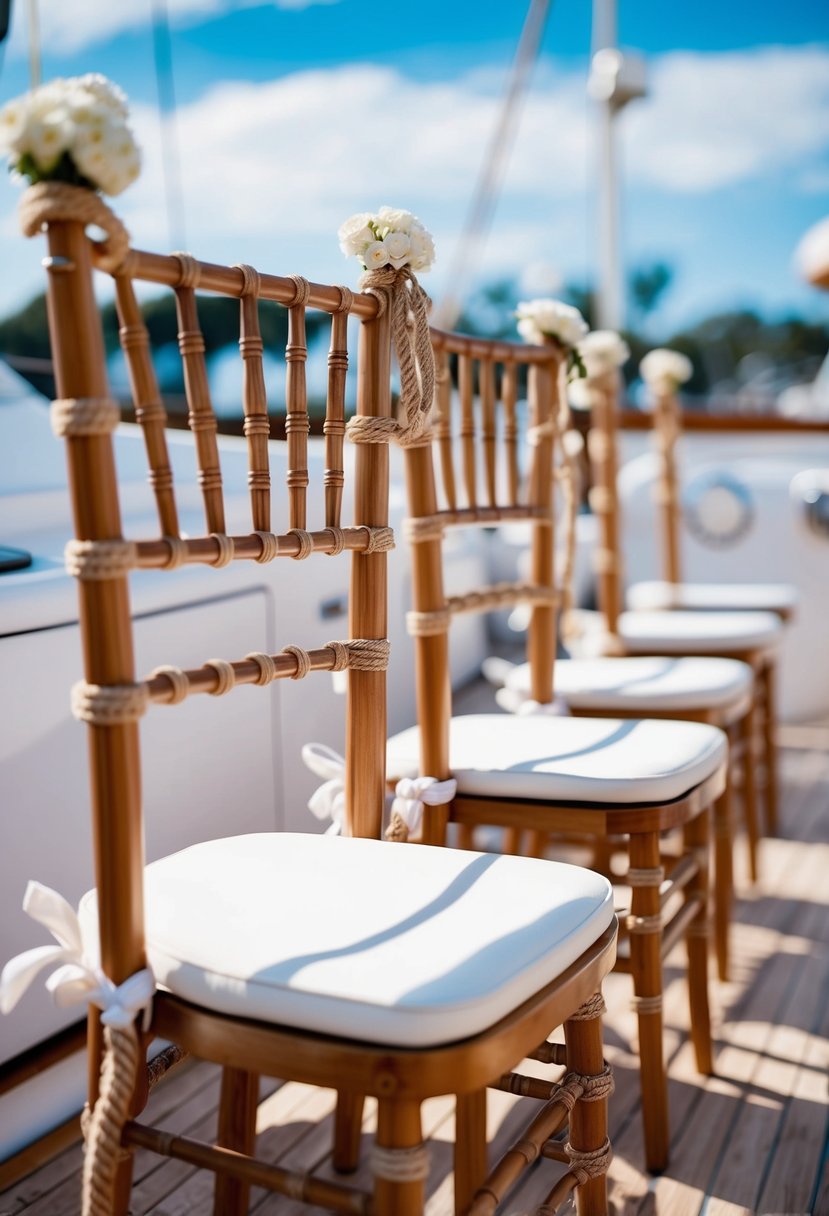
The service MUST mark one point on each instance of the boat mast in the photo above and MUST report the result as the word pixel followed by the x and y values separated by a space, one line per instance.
pixel 35 69
pixel 615 79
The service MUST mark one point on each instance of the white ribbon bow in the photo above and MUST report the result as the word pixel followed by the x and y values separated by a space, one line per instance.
pixel 328 801
pixel 78 981
pixel 514 703
pixel 413 794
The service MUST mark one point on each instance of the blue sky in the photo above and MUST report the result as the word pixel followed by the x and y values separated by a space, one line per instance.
pixel 291 116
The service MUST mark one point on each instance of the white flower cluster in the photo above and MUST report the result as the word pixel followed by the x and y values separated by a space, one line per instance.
pixel 664 370
pixel 390 238
pixel 603 351
pixel 547 318
pixel 74 131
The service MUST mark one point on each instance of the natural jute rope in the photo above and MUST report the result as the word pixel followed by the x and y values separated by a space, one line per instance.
pixel 103 1129
pixel 408 304
pixel 57 202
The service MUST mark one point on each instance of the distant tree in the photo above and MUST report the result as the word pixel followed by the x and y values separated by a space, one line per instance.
pixel 647 285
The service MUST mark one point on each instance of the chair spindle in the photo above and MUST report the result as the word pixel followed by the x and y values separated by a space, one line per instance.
pixel 201 417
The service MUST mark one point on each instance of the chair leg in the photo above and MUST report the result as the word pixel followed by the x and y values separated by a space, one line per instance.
pixel 237 1130
pixel 645 928
pixel 723 879
pixel 470 1147
pixel 588 1122
pixel 348 1126
pixel 399 1159
pixel 750 791
pixel 767 683
pixel 697 842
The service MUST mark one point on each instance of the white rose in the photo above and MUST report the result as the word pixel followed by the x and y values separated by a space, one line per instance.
pixel 530 332
pixel 104 91
pixel 395 219
pixel 46 139
pixel 398 245
pixel 603 351
pixel 664 370
pixel 355 234
pixel 422 248
pixel 376 256
pixel 552 319
pixel 13 122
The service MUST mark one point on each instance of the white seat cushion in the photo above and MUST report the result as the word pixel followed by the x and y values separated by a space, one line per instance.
pixel 697 632
pixel 643 684
pixel 571 759
pixel 717 597
pixel 390 943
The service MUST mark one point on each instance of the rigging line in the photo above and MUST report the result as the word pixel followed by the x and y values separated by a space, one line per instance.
pixel 35 72
pixel 485 196
pixel 165 89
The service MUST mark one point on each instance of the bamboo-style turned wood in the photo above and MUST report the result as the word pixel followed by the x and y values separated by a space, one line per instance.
pixel 257 427
pixel 601 444
pixel 334 425
pixel 443 426
pixel 487 390
pixel 509 396
pixel 201 418
pixel 297 424
pixel 150 413
pixel 666 416
pixel 466 390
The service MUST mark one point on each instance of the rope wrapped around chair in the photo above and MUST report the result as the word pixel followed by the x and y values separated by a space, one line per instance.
pixel 72 417
pixel 489 599
pixel 97 560
pixel 103 1125
pixel 400 292
pixel 590 1164
pixel 58 202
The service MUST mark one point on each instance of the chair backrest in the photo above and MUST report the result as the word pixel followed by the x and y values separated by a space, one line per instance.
pixel 482 425
pixel 667 428
pixel 110 698
pixel 603 451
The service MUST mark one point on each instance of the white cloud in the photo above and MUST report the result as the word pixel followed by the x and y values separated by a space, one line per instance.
pixel 81 23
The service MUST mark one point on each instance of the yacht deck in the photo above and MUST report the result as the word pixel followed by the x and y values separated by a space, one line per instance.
pixel 752 1139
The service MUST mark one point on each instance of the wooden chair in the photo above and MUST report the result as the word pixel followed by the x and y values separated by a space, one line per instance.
pixel 537 775
pixel 751 637
pixel 718 691
pixel 352 963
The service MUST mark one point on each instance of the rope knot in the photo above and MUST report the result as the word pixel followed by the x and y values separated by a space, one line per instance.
pixel 58 202
pixel 411 796
pixel 408 305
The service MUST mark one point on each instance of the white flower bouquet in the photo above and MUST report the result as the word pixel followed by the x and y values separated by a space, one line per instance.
pixel 391 237
pixel 603 351
pixel 74 131
pixel 546 318
pixel 664 370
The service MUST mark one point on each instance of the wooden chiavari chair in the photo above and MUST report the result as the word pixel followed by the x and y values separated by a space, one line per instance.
pixel 541 775
pixel 345 962
pixel 752 637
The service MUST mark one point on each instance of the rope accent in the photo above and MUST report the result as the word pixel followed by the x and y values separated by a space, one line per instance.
pixel 302 290
pixel 303 661
pixel 179 683
pixel 378 540
pixel 306 543
pixel 251 282
pixel 266 665
pixel 74 416
pixel 596 1087
pixel 226 547
pixel 502 595
pixel 226 675
pixel 96 560
pixel 341 655
pixel 592 1008
pixel 408 302
pixel 400 1164
pixel 109 704
pixel 644 924
pixel 424 527
pixel 428 624
pixel 590 1163
pixel 103 1127
pixel 646 1004
pixel 270 546
pixel 178 552
pixel 58 202
pixel 346 299
pixel 338 537
pixel 190 270
pixel 645 878
pixel 367 654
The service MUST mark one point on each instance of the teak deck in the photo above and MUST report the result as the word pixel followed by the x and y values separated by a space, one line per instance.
pixel 752 1139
